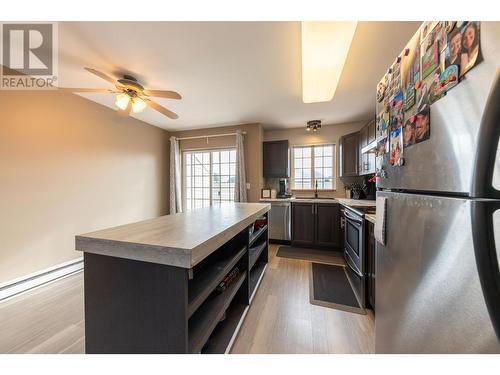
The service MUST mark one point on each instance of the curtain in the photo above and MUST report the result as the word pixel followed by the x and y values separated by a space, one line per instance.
pixel 240 188
pixel 175 177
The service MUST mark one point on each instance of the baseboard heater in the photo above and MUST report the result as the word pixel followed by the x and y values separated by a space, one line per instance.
pixel 23 284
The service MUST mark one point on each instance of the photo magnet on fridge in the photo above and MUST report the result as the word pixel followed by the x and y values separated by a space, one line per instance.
pixel 436 89
pixel 423 125
pixel 381 146
pixel 470 53
pixel 397 113
pixel 382 125
pixel 449 77
pixel 409 132
pixel 382 87
pixel 410 71
pixel 453 48
pixel 396 147
pixel 430 60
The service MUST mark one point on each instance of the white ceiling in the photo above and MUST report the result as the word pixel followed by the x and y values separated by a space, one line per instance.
pixel 226 72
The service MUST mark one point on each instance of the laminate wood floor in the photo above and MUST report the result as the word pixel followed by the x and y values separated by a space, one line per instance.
pixel 280 320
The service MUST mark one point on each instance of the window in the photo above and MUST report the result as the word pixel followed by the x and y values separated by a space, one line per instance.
pixel 311 165
pixel 209 177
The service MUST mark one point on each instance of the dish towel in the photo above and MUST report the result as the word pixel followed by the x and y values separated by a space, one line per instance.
pixel 380 221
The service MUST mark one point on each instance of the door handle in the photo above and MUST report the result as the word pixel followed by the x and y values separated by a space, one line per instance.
pixel 488 135
pixel 352 218
pixel 486 256
pixel 352 266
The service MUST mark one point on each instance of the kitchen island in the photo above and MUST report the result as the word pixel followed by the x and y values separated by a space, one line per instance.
pixel 157 286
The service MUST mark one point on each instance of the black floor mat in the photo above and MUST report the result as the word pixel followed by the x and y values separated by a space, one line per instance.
pixel 330 287
pixel 311 255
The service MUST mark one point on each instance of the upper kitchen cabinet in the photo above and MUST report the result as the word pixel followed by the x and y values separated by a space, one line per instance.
pixel 366 159
pixel 349 155
pixel 275 159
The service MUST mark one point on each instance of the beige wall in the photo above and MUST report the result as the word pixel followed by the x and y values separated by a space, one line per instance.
pixel 327 134
pixel 69 166
pixel 253 150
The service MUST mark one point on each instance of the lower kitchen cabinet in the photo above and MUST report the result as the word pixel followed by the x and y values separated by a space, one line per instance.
pixel 303 224
pixel 327 217
pixel 316 225
pixel 370 264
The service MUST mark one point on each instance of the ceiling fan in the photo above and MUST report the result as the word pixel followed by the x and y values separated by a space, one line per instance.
pixel 131 95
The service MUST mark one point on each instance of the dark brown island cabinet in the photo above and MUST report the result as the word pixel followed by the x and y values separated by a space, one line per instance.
pixel 173 284
pixel 275 159
pixel 316 225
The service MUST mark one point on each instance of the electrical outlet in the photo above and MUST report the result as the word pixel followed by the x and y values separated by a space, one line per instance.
pixel 248 185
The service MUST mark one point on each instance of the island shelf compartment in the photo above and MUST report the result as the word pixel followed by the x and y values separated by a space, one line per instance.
pixel 203 322
pixel 211 271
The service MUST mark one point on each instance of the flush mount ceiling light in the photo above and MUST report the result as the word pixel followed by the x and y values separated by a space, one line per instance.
pixel 324 51
pixel 313 125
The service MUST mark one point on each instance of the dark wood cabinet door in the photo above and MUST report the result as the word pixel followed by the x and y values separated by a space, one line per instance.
pixel 349 154
pixel 370 265
pixel 363 137
pixel 275 159
pixel 327 220
pixel 303 224
pixel 371 136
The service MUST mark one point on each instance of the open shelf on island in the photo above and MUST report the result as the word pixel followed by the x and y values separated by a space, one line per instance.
pixel 226 330
pixel 255 275
pixel 206 318
pixel 207 280
pixel 255 235
pixel 254 253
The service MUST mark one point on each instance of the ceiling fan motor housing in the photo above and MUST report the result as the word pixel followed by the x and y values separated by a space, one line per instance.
pixel 130 83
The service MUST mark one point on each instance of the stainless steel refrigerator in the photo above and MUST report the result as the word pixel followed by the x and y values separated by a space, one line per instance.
pixel 437 277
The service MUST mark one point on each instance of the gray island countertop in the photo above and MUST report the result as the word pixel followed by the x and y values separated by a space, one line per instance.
pixel 181 240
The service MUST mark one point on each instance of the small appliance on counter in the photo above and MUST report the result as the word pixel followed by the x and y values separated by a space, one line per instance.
pixel 283 189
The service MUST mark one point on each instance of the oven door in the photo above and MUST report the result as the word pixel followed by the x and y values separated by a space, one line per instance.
pixel 353 239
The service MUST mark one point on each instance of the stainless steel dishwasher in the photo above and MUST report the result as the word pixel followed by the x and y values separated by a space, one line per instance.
pixel 279 221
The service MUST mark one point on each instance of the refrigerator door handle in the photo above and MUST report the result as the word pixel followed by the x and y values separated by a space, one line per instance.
pixel 487 144
pixel 485 252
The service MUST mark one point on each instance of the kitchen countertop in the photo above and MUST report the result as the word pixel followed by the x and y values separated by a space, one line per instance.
pixel 356 202
pixel 371 217
pixel 343 201
pixel 181 240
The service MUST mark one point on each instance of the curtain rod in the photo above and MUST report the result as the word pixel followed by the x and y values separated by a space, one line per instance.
pixel 208 136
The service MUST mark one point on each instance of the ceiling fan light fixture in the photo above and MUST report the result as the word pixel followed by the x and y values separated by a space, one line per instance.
pixel 138 105
pixel 122 101
pixel 325 46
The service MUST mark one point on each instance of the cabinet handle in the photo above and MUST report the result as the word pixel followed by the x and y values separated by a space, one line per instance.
pixel 312 209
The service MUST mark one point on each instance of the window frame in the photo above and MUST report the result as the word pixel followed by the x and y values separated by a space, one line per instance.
pixel 210 174
pixel 313 179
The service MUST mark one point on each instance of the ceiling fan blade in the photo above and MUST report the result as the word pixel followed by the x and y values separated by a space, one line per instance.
pixel 101 75
pixel 162 94
pixel 162 109
pixel 77 89
pixel 125 112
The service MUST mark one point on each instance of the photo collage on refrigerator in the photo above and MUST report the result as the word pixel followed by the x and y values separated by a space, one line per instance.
pixel 434 61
